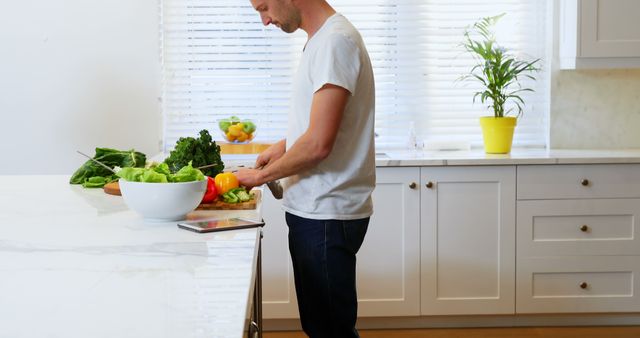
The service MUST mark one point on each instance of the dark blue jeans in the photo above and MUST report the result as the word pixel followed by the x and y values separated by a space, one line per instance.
pixel 323 253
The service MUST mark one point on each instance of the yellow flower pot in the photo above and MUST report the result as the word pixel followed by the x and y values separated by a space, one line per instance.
pixel 497 133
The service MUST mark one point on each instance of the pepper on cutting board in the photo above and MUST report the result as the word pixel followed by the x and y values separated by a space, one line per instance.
pixel 212 192
pixel 226 182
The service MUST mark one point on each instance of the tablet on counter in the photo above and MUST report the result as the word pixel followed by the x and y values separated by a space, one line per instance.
pixel 220 224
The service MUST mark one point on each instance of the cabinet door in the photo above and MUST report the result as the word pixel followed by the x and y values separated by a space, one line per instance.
pixel 610 28
pixel 468 240
pixel 388 269
pixel 278 289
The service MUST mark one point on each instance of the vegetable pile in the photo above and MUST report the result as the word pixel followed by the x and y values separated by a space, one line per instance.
pixel 225 186
pixel 200 152
pixel 159 173
pixel 93 175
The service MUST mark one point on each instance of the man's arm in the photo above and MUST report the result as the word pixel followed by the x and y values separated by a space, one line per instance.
pixel 271 154
pixel 313 146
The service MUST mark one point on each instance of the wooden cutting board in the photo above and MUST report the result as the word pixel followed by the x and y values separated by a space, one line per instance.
pixel 219 205
pixel 113 188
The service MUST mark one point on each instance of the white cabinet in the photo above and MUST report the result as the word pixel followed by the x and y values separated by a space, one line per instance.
pixel 388 272
pixel 468 240
pixel 577 238
pixel 442 241
pixel 388 263
pixel 578 284
pixel 599 34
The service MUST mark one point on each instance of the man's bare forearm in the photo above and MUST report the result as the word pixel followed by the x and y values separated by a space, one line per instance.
pixel 303 155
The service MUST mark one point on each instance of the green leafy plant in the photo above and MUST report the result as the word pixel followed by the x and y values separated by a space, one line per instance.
pixel 202 151
pixel 498 70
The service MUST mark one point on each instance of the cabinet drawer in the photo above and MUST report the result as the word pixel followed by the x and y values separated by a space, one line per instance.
pixel 578 284
pixel 578 227
pixel 578 181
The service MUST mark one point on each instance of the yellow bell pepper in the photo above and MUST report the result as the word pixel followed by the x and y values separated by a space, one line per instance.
pixel 225 182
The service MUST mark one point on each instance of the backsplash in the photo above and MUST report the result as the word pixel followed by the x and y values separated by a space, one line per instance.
pixel 595 109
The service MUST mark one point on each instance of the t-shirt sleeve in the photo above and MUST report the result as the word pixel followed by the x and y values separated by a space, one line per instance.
pixel 337 63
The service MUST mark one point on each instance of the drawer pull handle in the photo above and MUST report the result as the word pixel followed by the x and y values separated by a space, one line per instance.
pixel 584 228
pixel 413 185
pixel 584 182
pixel 429 185
pixel 584 285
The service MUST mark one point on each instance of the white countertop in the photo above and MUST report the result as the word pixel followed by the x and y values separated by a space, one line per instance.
pixel 76 262
pixel 408 158
pixel 402 158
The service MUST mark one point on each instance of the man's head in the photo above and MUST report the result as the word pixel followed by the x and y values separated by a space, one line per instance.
pixel 282 13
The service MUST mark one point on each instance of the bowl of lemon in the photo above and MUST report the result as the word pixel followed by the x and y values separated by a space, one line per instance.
pixel 235 130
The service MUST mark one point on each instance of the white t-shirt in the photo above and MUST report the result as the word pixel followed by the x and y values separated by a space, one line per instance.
pixel 340 186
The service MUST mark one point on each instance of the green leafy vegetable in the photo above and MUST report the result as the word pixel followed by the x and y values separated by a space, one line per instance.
pixel 89 173
pixel 97 181
pixel 131 174
pixel 187 174
pixel 160 174
pixel 200 152
pixel 151 176
pixel 161 168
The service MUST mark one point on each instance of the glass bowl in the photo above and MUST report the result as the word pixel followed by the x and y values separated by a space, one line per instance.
pixel 237 131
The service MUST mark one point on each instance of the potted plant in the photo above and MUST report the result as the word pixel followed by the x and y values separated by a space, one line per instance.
pixel 499 72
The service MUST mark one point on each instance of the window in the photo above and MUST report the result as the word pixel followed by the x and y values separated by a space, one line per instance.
pixel 218 61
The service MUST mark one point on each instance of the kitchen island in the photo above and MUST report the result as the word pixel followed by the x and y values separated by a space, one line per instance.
pixel 76 262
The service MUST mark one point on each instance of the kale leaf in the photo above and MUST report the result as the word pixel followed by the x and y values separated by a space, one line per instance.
pixel 111 158
pixel 199 151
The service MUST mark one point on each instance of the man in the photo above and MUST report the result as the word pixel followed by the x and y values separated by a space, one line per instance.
pixel 327 160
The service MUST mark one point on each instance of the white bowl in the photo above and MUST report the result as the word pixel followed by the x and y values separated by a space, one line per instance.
pixel 162 202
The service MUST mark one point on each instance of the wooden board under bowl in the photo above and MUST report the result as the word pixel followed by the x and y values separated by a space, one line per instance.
pixel 112 188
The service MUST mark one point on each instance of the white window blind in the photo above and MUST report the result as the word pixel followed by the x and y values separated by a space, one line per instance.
pixel 218 60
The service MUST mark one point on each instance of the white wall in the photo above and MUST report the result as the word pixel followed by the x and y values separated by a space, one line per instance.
pixel 593 109
pixel 596 109
pixel 75 75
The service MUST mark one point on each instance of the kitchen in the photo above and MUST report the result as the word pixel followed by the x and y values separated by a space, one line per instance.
pixel 82 74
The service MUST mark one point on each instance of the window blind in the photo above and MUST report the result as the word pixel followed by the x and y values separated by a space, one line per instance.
pixel 218 60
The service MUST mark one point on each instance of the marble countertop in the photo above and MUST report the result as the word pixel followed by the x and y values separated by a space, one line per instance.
pixel 76 262
pixel 407 158
pixel 517 156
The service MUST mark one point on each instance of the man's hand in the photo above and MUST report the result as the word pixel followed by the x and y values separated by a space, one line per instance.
pixel 271 154
pixel 249 178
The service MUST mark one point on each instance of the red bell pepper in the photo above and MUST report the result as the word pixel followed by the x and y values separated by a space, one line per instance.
pixel 212 192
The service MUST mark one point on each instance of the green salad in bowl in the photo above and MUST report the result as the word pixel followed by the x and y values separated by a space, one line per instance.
pixel 159 195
